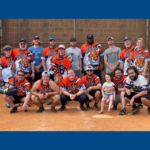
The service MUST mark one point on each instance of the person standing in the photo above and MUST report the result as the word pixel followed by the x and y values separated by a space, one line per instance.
pixel 111 56
pixel 75 53
pixel 92 53
pixel 37 50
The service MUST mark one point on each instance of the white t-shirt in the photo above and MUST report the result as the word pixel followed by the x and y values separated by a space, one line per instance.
pixel 75 54
pixel 139 85
pixel 108 85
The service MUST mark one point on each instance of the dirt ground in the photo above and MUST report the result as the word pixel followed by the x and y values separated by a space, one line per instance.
pixel 71 119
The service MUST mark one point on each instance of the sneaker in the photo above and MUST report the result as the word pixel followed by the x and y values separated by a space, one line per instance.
pixel 148 115
pixel 62 108
pixel 96 107
pixel 14 109
pixel 140 106
pixel 87 105
pixel 26 110
pixel 82 108
pixel 122 112
pixel 114 107
pixel 7 105
pixel 48 103
pixel 53 109
pixel 41 109
pixel 134 111
pixel 29 105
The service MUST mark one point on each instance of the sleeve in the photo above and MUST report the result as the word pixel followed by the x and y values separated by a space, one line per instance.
pixel 104 85
pixel 147 57
pixel 144 85
pixel 53 67
pixel 81 86
pixel 121 59
pixel 127 85
pixel 11 82
pixel 82 50
pixel 30 49
pixel 43 54
pixel 2 64
pixel 105 55
pixel 98 83
pixel 32 60
pixel 28 89
pixel 62 86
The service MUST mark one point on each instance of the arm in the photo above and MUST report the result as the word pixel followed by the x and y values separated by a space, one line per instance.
pixel 122 65
pixel 27 99
pixel 94 88
pixel 80 63
pixel 33 71
pixel 107 64
pixel 44 64
pixel 145 68
pixel 102 63
pixel 1 75
pixel 66 93
pixel 80 92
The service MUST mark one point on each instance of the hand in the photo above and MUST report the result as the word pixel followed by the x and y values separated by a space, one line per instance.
pixel 37 69
pixel 46 95
pixel 112 89
pixel 24 106
pixel 72 97
pixel 107 90
pixel 88 90
pixel 112 69
pixel 41 96
pixel 11 87
pixel 91 97
pixel 144 73
pixel 33 75
pixel 128 92
pixel 132 101
pixel 102 67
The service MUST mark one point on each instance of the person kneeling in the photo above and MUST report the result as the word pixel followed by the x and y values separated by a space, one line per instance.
pixel 22 95
pixel 43 91
pixel 72 89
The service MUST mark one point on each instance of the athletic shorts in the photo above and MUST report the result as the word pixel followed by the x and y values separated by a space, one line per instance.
pixel 92 93
pixel 18 99
pixel 37 76
pixel 137 100
pixel 108 94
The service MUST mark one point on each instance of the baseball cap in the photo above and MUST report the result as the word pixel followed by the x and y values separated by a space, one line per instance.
pixel 23 40
pixel 45 73
pixel 52 38
pixel 61 46
pixel 90 36
pixel 89 67
pixel 127 38
pixel 110 38
pixel 36 37
pixel 73 39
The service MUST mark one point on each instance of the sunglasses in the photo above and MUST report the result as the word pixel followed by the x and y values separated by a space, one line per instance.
pixel 6 49
pixel 21 75
pixel 22 43
pixel 89 70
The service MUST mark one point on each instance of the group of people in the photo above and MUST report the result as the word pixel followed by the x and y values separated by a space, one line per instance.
pixel 54 74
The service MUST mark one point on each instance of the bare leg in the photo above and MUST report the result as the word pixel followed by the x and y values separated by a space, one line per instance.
pixel 97 96
pixel 36 101
pixel 9 99
pixel 110 102
pixel 123 102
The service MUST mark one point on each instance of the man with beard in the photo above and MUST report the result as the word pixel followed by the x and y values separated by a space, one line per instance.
pixel 45 90
pixel 93 86
pixel 125 56
pixel 37 50
pixel 92 53
pixel 111 56
pixel 140 87
pixel 75 53
pixel 119 81
pixel 48 53
pixel 22 95
pixel 24 60
pixel 60 64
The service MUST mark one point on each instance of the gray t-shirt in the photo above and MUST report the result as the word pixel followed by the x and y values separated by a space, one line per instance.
pixel 112 56
pixel 75 54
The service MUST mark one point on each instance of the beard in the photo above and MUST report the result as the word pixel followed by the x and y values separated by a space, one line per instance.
pixel 90 41
pixel 134 78
pixel 53 46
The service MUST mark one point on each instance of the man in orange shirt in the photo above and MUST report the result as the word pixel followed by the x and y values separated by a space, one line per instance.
pixel 93 86
pixel 22 95
pixel 60 64
pixel 92 53
pixel 48 53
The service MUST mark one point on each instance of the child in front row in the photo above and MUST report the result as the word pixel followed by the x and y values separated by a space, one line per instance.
pixel 108 93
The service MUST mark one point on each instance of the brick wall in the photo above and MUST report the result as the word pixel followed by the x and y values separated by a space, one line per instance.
pixel 63 29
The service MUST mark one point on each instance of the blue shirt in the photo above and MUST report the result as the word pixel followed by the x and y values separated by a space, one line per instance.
pixel 37 52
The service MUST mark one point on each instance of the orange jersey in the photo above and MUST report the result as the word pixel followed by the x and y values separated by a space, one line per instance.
pixel 120 83
pixel 125 57
pixel 60 65
pixel 47 54
pixel 23 59
pixel 42 89
pixel 139 58
pixel 72 87
pixel 91 55
pixel 23 88
pixel 8 68
pixel 88 82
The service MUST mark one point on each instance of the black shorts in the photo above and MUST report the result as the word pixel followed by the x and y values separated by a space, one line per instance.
pixel 18 99
pixel 137 100
pixel 37 76
pixel 92 93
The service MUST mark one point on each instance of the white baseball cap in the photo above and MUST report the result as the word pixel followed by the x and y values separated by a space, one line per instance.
pixel 45 73
pixel 61 46
pixel 89 67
